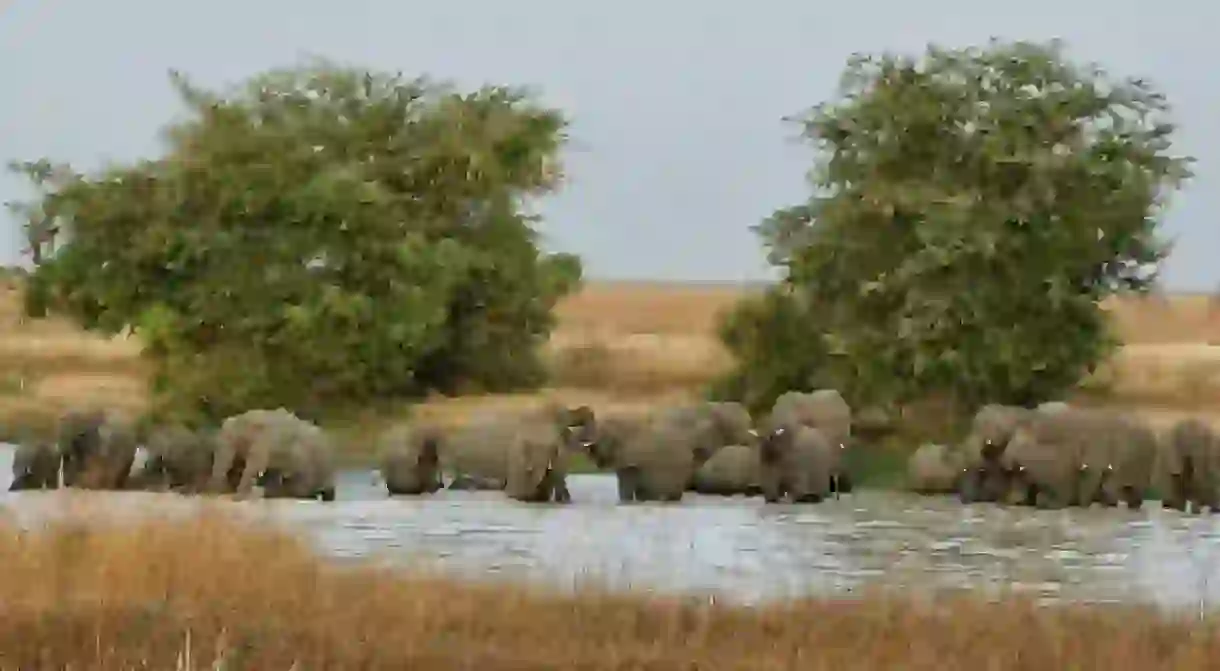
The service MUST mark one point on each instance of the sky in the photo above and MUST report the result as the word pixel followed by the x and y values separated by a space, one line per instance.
pixel 678 141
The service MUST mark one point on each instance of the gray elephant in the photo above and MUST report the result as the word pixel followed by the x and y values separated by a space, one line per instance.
pixel 480 450
pixel 982 476
pixel 295 462
pixel 653 457
pixel 178 459
pixel 823 409
pixel 934 469
pixel 233 444
pixel 714 425
pixel 796 462
pixel 97 449
pixel 287 456
pixel 1120 462
pixel 732 470
pixel 1188 467
pixel 1048 458
pixel 410 460
pixel 538 463
pixel 35 466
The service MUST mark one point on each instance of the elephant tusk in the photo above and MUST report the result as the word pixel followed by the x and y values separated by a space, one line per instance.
pixel 753 432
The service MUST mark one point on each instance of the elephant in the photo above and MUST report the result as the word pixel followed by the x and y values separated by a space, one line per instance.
pixel 480 450
pixel 537 463
pixel 233 443
pixel 179 459
pixel 796 461
pixel 714 425
pixel 1121 462
pixel 732 470
pixel 982 477
pixel 410 461
pixel 934 469
pixel 654 456
pixel 35 466
pixel 294 460
pixel 1050 456
pixel 97 449
pixel 823 409
pixel 1188 467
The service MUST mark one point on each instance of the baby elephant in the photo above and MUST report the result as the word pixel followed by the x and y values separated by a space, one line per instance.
pixel 410 463
pixel 35 466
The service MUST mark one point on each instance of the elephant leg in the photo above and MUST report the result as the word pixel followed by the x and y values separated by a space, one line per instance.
pixel 628 485
pixel 1047 498
pixel 674 497
pixel 560 490
pixel 327 494
pixel 844 483
pixel 772 487
pixel 1133 498
pixel 1176 497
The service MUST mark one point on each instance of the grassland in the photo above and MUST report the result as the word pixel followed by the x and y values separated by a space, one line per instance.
pixel 620 347
pixel 159 595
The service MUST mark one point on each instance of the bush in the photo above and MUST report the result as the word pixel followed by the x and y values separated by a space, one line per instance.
pixel 317 236
pixel 971 210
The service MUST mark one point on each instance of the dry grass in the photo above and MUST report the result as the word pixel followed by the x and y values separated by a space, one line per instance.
pixel 620 346
pixel 216 592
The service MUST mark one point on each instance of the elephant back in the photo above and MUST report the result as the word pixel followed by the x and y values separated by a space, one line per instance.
pixel 404 460
pixel 733 469
pixel 824 409
pixel 933 468
pixel 480 447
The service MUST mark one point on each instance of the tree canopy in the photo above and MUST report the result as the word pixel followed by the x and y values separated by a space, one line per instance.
pixel 317 235
pixel 970 209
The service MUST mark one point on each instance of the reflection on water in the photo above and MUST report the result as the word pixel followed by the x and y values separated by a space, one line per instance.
pixel 743 548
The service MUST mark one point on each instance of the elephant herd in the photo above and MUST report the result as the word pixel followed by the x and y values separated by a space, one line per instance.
pixel 1051 456
pixel 287 456
pixel 1058 455
pixel 796 453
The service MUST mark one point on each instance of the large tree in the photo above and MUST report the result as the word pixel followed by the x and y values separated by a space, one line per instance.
pixel 316 235
pixel 970 210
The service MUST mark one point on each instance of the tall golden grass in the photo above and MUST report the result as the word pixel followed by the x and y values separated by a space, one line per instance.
pixel 619 346
pixel 223 593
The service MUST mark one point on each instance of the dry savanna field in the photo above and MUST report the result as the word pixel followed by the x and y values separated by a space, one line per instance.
pixel 186 595
pixel 620 346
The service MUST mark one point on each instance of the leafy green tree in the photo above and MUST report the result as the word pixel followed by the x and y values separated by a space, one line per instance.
pixel 318 235
pixel 970 210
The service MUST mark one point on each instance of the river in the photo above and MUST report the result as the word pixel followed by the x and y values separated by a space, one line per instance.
pixel 742 548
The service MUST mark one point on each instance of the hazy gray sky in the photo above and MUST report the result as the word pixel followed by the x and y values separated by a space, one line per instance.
pixel 678 144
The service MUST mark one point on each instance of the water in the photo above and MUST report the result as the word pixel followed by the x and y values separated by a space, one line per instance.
pixel 742 548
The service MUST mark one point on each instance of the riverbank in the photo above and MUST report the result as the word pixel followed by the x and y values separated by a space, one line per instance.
pixel 218 592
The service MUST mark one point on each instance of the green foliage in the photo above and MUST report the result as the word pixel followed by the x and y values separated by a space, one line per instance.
pixel 316 236
pixel 971 209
